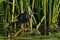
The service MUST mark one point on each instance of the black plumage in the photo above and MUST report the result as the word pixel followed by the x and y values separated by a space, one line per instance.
pixel 24 17
pixel 21 18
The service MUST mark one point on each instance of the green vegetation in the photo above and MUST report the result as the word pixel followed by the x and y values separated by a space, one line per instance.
pixel 44 26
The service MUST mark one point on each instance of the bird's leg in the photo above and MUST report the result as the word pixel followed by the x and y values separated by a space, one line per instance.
pixel 26 29
pixel 24 25
pixel 27 24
